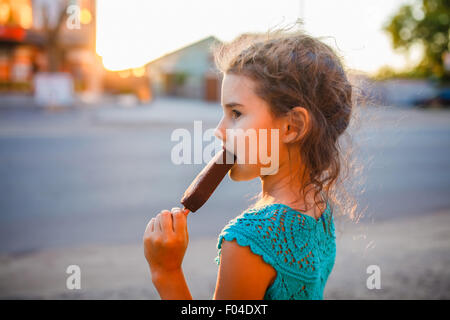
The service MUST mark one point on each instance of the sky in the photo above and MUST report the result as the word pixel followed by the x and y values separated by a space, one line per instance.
pixel 131 33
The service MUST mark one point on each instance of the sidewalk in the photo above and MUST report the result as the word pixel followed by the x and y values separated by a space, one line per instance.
pixel 413 256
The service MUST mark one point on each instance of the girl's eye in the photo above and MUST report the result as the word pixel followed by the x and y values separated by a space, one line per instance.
pixel 236 114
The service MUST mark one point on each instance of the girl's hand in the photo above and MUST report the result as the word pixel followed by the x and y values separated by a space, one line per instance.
pixel 165 241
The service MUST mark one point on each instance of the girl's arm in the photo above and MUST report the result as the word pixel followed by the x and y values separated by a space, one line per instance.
pixel 242 274
pixel 171 286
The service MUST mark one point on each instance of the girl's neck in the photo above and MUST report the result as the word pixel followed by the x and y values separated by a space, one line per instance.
pixel 284 187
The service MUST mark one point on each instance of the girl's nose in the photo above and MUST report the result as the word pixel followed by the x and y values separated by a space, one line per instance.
pixel 220 131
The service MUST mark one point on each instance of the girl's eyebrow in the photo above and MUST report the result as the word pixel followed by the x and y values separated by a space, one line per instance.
pixel 233 104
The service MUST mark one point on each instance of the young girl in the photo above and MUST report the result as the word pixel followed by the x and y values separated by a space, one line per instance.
pixel 283 247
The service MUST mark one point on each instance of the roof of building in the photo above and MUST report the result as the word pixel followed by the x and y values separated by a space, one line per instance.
pixel 196 43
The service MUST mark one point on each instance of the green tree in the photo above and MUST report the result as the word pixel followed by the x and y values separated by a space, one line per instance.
pixel 427 23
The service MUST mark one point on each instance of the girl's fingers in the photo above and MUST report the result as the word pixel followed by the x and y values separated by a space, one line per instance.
pixel 179 222
pixel 149 229
pixel 151 225
pixel 165 221
pixel 168 222
pixel 185 211
pixel 157 224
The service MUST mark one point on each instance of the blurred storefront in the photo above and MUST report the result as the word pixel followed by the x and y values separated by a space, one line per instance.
pixel 26 28
pixel 20 46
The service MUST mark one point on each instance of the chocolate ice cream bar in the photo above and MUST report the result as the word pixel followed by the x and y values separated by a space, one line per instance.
pixel 207 180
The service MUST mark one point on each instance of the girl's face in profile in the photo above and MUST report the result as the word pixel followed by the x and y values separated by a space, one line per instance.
pixel 244 110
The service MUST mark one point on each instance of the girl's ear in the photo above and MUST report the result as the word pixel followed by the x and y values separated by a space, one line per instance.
pixel 295 125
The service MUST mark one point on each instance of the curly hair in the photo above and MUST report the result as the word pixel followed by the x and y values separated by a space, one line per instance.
pixel 291 68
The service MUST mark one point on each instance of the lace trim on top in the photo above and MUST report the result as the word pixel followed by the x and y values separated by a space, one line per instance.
pixel 295 244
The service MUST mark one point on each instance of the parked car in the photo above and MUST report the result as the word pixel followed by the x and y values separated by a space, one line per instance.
pixel 440 99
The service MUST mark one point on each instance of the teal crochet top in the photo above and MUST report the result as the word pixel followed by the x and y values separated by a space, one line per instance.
pixel 300 248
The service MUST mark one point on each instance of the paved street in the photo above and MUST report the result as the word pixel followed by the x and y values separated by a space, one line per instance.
pixel 97 175
pixel 93 177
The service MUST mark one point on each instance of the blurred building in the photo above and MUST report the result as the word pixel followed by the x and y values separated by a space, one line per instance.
pixel 187 72
pixel 20 47
pixel 133 81
pixel 26 27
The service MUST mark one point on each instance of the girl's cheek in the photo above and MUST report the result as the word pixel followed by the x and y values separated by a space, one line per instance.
pixel 249 138
pixel 268 142
pixel 234 133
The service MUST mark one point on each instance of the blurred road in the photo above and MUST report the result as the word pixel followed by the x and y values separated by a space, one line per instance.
pixel 97 175
pixel 79 186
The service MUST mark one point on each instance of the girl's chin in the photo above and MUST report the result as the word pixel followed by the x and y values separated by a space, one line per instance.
pixel 240 172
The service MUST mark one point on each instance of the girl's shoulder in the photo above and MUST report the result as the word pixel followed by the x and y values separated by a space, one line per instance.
pixel 271 222
pixel 282 236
